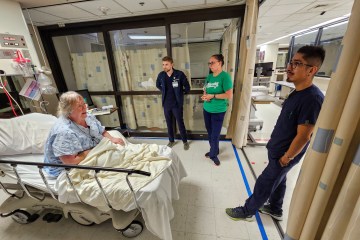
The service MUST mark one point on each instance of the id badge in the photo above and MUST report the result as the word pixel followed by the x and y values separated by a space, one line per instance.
pixel 175 84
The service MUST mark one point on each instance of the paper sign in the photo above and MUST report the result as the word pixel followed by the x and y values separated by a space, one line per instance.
pixel 31 90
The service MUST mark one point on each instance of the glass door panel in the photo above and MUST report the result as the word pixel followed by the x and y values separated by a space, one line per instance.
pixel 84 62
pixel 138 57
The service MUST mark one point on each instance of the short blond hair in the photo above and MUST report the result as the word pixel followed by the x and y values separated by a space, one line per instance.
pixel 66 103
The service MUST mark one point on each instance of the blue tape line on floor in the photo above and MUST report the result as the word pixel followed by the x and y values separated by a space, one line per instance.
pixel 258 219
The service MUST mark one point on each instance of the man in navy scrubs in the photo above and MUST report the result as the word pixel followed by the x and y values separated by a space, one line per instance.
pixel 290 137
pixel 173 84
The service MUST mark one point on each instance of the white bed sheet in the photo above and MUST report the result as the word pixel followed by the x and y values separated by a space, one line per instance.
pixel 155 199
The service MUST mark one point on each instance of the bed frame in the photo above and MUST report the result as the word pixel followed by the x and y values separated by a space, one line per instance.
pixel 25 202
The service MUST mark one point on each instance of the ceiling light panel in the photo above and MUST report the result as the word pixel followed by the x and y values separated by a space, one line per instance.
pixel 134 6
pixel 66 11
pixel 94 6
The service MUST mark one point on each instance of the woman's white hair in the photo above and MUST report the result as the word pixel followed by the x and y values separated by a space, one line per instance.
pixel 67 102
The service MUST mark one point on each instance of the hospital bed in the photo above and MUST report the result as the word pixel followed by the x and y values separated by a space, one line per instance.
pixel 33 192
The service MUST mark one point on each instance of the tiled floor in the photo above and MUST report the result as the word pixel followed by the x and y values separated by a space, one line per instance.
pixel 200 211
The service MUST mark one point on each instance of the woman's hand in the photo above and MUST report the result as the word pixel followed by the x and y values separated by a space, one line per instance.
pixel 207 97
pixel 117 141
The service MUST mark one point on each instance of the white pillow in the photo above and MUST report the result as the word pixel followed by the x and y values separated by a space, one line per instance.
pixel 25 134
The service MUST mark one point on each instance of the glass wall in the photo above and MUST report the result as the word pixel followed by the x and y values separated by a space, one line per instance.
pixel 304 39
pixel 331 39
pixel 84 62
pixel 138 53
pixel 192 45
pixel 138 57
pixel 135 48
pixel 84 65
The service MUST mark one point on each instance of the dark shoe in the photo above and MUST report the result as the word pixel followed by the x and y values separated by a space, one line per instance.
pixel 216 161
pixel 266 209
pixel 186 146
pixel 171 144
pixel 238 213
pixel 207 155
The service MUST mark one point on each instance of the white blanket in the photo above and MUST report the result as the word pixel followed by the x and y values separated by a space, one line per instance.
pixel 143 157
pixel 157 191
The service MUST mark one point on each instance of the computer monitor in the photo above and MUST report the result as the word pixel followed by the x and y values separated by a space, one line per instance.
pixel 267 69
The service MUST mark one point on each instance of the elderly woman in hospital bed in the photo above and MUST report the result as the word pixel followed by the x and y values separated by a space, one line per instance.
pixel 74 134
pixel 76 138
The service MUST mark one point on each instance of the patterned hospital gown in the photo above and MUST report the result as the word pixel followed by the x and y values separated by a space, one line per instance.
pixel 68 138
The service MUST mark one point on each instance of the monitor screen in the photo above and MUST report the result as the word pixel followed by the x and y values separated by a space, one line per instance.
pixel 86 95
pixel 267 69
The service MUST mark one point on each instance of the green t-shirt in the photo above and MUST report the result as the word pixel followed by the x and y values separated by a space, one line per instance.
pixel 217 85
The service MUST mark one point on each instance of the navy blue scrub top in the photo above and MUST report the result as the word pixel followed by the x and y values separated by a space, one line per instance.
pixel 170 98
pixel 301 107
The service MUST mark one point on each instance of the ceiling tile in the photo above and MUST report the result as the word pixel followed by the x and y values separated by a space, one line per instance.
pixel 94 7
pixel 65 11
pixel 269 3
pixel 181 3
pixel 286 2
pixel 223 2
pixel 285 9
pixel 272 19
pixel 37 16
pixel 263 10
pixel 134 6
pixel 301 16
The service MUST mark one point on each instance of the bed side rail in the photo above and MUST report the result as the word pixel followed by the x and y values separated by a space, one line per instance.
pixel 67 167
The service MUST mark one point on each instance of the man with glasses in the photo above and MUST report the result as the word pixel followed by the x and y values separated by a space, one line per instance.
pixel 173 84
pixel 290 137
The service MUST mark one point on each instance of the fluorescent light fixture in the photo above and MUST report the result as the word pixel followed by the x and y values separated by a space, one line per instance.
pixel 146 37
pixel 310 28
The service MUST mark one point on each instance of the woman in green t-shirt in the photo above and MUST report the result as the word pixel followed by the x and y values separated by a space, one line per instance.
pixel 218 90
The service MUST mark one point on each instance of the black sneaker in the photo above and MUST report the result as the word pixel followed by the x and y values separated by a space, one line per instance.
pixel 238 213
pixel 266 209
pixel 171 144
pixel 207 155
pixel 216 161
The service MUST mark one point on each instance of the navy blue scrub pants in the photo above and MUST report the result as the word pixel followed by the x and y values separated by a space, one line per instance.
pixel 213 124
pixel 178 114
pixel 271 185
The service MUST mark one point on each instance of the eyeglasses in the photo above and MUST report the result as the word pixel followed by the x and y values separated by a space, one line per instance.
pixel 212 63
pixel 294 65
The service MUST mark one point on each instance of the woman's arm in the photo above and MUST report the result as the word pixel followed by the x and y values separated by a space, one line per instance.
pixel 113 139
pixel 227 95
pixel 74 159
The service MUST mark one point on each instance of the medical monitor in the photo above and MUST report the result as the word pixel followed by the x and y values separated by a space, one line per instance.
pixel 267 69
